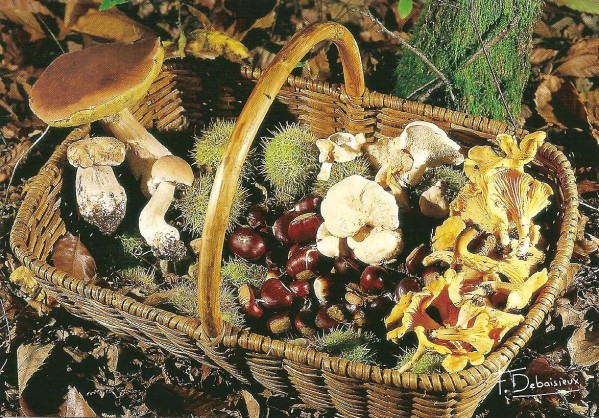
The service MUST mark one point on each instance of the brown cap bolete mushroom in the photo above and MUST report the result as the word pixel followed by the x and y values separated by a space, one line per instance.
pixel 101 200
pixel 163 238
pixel 99 84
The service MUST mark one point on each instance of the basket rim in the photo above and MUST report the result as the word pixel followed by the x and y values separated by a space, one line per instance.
pixel 496 362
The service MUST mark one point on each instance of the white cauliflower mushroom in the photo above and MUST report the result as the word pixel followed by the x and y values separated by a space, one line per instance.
pixel 359 213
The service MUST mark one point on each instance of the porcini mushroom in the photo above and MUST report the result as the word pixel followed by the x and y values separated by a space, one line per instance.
pixel 99 84
pixel 429 147
pixel 163 238
pixel 362 212
pixel 101 200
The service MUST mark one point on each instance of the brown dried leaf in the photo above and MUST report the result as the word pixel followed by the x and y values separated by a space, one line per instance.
pixel 541 55
pixel 30 358
pixel 22 12
pixel 70 255
pixel 75 405
pixel 583 346
pixel 111 24
pixel 569 314
pixel 587 186
pixel 252 404
pixel 10 158
pixel 580 66
pixel 317 67
pixel 558 103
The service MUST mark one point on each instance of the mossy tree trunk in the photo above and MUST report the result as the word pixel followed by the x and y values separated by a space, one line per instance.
pixel 448 35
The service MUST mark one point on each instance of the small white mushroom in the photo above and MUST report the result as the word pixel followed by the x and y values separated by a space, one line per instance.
pixel 163 238
pixel 340 147
pixel 429 147
pixel 326 243
pixel 434 202
pixel 101 200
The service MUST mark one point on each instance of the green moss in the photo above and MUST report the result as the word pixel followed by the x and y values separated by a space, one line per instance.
pixel 430 362
pixel 134 247
pixel 453 177
pixel 144 278
pixel 339 171
pixel 290 162
pixel 449 49
pixel 348 344
pixel 238 271
pixel 194 203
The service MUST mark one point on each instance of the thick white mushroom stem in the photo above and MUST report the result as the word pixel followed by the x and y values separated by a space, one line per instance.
pixel 143 149
pixel 101 199
pixel 162 238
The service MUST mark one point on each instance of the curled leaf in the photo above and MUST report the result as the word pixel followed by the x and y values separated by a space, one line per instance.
pixel 70 255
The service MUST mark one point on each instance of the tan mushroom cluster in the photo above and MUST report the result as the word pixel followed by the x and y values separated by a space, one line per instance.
pixel 491 246
pixel 402 161
pixel 359 215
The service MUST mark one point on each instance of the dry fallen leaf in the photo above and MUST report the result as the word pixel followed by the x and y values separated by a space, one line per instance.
pixel 75 405
pixel 30 358
pixel 70 255
pixel 583 346
pixel 111 24
pixel 559 103
pixel 252 404
pixel 582 59
pixel 541 55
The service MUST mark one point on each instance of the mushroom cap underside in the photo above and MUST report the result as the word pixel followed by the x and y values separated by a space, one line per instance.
pixel 84 86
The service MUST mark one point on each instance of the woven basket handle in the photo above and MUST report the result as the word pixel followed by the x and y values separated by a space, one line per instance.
pixel 250 119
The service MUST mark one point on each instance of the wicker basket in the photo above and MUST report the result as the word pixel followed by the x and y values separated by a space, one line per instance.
pixel 319 380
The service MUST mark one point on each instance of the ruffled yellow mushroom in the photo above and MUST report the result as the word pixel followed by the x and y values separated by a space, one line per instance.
pixel 458 360
pixel 447 233
pixel 517 197
pixel 476 336
pixel 520 294
pixel 410 311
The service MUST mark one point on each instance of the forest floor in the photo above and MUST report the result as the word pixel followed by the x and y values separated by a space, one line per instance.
pixel 53 363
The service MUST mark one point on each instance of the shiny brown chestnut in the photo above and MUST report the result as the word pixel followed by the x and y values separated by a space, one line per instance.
pixel 323 287
pixel 248 296
pixel 309 203
pixel 300 288
pixel 374 279
pixel 256 217
pixel 281 226
pixel 247 243
pixel 275 295
pixel 414 259
pixel 347 268
pixel 302 229
pixel 323 320
pixel 304 323
pixel 304 263
pixel 405 285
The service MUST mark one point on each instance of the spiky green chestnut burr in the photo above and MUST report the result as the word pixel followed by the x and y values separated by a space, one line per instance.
pixel 238 271
pixel 184 299
pixel 339 171
pixel 290 161
pixel 430 362
pixel 195 202
pixel 453 177
pixel 210 146
pixel 133 247
pixel 348 344
pixel 139 276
